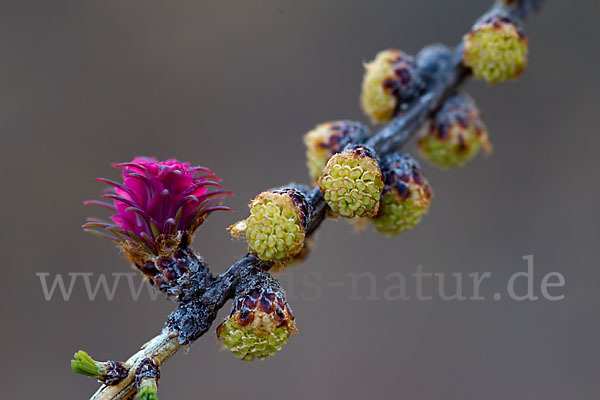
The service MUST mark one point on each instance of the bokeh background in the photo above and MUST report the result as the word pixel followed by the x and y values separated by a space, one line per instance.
pixel 233 85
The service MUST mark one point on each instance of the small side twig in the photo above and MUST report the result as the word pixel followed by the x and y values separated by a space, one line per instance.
pixel 159 349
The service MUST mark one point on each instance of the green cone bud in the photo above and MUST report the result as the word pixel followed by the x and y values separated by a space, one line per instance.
pixel 247 343
pixel 495 50
pixel 352 182
pixel 327 139
pixel 406 197
pixel 276 227
pixel 455 135
pixel 390 83
pixel 260 322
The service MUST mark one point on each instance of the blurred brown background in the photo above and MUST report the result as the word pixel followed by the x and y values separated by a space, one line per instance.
pixel 233 85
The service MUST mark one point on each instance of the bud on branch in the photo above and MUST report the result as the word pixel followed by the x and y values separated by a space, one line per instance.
pixel 159 205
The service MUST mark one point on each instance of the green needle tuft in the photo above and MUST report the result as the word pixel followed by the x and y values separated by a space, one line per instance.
pixel 147 390
pixel 84 364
